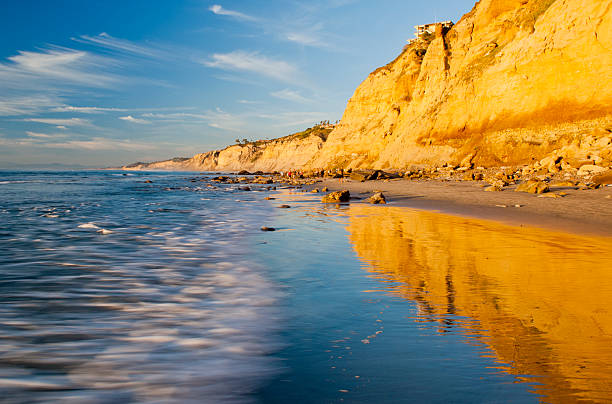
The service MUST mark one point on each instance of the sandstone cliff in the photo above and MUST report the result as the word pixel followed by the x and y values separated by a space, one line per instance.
pixel 512 82
pixel 283 154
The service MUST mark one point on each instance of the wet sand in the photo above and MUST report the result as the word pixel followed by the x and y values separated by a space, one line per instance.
pixel 580 211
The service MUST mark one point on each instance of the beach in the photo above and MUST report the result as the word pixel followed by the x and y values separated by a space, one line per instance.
pixel 580 211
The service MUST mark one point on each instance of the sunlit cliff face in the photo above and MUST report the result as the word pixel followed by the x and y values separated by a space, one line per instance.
pixel 539 300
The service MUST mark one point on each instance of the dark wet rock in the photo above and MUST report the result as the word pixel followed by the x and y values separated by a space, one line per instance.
pixel 243 172
pixel 377 198
pixel 269 198
pixel 244 188
pixel 258 173
pixel 265 228
pixel 337 196
pixel 284 206
pixel 533 187
pixel 148 182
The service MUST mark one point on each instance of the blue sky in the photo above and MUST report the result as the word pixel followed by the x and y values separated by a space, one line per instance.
pixel 111 82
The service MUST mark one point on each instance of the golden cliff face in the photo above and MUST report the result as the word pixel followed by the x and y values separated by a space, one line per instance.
pixel 544 312
pixel 282 154
pixel 512 80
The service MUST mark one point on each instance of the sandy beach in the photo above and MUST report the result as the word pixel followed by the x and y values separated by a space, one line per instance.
pixel 580 211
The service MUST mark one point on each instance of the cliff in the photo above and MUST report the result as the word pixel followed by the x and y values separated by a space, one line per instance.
pixel 283 154
pixel 512 82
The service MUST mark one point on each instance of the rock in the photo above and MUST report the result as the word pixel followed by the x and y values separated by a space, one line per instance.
pixel 377 198
pixel 264 228
pixel 315 191
pixel 243 172
pixel 493 188
pixel 533 187
pixel 325 189
pixel 269 198
pixel 244 188
pixel 337 196
pixel 590 169
pixel 467 161
pixel 284 206
pixel 358 176
pixel 603 178
pixel 499 184
pixel 564 184
pixel 148 182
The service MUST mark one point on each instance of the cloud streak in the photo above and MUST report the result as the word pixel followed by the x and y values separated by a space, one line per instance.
pixel 219 10
pixel 60 122
pixel 30 70
pixel 131 119
pixel 253 62
pixel 107 41
pixel 289 95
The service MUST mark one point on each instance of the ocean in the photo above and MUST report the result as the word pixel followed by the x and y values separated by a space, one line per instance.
pixel 160 287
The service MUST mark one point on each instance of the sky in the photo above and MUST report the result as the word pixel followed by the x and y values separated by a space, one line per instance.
pixel 106 83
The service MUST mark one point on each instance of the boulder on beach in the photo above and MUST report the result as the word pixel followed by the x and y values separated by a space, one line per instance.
pixel 533 187
pixel 590 169
pixel 337 196
pixel 377 198
pixel 603 178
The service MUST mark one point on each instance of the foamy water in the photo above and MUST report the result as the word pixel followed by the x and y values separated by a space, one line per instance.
pixel 114 290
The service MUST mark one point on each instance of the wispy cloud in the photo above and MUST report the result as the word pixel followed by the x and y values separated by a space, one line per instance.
pixel 55 66
pixel 219 10
pixel 255 63
pixel 216 118
pixel 289 95
pixel 103 144
pixel 307 38
pixel 26 105
pixel 45 136
pixel 87 110
pixel 131 119
pixel 60 122
pixel 107 41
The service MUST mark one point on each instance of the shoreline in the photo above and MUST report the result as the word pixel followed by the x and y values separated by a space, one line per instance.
pixel 579 212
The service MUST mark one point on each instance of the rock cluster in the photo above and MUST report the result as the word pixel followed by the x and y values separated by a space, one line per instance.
pixel 337 197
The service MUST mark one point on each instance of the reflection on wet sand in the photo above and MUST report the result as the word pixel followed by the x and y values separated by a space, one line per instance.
pixel 538 299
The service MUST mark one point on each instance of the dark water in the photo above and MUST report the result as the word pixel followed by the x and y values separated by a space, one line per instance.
pixel 113 289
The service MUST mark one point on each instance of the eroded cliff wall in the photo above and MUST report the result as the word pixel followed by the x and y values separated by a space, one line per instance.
pixel 511 81
pixel 283 154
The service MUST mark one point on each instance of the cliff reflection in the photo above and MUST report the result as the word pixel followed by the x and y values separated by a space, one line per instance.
pixel 538 299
